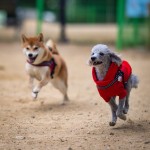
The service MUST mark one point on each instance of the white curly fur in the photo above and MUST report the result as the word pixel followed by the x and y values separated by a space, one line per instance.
pixel 101 58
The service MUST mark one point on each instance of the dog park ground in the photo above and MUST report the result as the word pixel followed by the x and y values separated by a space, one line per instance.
pixel 82 124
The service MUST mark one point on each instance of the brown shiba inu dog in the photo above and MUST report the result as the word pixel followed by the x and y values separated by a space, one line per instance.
pixel 45 64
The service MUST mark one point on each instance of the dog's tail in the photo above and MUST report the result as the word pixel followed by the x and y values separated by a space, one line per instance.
pixel 52 47
pixel 134 81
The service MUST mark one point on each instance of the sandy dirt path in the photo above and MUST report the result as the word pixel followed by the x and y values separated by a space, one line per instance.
pixel 82 124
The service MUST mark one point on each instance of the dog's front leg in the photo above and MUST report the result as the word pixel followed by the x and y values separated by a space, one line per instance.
pixel 42 83
pixel 31 81
pixel 120 109
pixel 113 107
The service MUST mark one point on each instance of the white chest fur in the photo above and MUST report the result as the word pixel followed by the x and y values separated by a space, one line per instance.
pixel 36 72
pixel 101 71
pixel 99 75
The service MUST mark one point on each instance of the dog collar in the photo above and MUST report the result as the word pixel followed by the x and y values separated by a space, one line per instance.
pixel 51 64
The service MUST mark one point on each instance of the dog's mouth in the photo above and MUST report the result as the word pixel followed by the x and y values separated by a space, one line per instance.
pixel 32 59
pixel 95 63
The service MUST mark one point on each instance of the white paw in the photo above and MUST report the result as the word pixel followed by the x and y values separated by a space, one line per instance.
pixel 35 92
pixel 34 95
pixel 36 89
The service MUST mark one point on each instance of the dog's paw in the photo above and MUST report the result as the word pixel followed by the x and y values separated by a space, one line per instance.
pixel 34 95
pixel 35 92
pixel 112 123
pixel 122 116
pixel 65 102
pixel 125 111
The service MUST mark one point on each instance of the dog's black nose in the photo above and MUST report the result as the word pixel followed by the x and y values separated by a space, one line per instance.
pixel 30 55
pixel 93 58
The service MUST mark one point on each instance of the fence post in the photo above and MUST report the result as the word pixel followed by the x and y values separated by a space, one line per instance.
pixel 120 23
pixel 148 37
pixel 62 19
pixel 39 6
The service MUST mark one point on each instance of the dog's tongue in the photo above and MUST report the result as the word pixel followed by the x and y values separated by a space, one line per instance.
pixel 31 60
pixel 97 63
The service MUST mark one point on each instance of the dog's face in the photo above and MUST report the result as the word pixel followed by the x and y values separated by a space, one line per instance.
pixel 101 54
pixel 32 47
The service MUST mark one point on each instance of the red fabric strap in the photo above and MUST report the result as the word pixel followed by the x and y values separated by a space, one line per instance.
pixel 117 89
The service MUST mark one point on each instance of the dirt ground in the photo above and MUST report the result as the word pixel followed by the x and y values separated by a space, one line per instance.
pixel 82 124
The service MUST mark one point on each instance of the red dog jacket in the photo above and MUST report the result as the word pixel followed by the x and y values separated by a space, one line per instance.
pixel 110 86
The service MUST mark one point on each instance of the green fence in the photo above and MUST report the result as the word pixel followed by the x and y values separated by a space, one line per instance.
pixel 133 26
pixel 80 11
pixel 91 11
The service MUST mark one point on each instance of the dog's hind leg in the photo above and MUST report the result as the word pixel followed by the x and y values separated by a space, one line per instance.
pixel 113 107
pixel 62 87
pixel 126 106
pixel 128 88
pixel 120 109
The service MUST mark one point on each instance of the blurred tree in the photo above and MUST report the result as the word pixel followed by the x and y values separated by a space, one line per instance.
pixel 9 6
pixel 52 5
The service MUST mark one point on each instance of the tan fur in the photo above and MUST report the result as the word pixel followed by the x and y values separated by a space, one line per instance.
pixel 35 46
pixel 52 47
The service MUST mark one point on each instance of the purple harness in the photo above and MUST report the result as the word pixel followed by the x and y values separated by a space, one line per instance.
pixel 51 64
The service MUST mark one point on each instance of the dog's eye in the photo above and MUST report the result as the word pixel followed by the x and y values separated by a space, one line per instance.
pixel 35 48
pixel 27 48
pixel 92 53
pixel 102 54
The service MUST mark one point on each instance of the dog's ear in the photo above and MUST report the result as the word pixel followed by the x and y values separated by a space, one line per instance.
pixel 115 58
pixel 24 38
pixel 40 37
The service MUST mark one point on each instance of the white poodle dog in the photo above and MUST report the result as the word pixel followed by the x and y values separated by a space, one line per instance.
pixel 113 77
